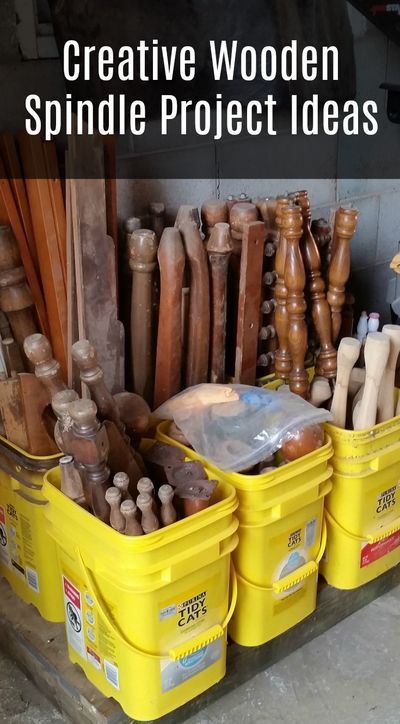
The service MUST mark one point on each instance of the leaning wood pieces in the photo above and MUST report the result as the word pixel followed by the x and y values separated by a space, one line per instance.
pixel 251 264
pixel 142 262
pixel 339 268
pixel 57 202
pixel 321 313
pixel 199 309
pixel 46 243
pixel 219 248
pixel 347 356
pixel 295 279
pixel 171 260
pixel 376 353
pixel 16 300
pixel 386 390
pixel 283 360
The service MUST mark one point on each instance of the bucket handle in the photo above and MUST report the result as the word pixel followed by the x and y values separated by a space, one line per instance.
pixel 374 537
pixel 385 458
pixel 325 486
pixel 297 576
pixel 203 639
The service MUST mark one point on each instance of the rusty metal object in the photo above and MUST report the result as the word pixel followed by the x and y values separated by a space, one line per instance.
pixel 142 261
pixel 38 350
pixel 171 259
pixel 199 311
pixel 249 302
pixel 219 248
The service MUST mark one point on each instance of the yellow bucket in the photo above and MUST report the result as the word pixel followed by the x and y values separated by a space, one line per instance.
pixel 146 617
pixel 350 561
pixel 280 528
pixel 28 559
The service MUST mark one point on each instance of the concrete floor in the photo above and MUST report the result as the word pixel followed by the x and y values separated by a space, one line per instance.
pixel 349 675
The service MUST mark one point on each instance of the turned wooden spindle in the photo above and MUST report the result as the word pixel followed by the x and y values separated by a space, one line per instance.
pixel 376 354
pixel 295 279
pixel 62 432
pixel 167 511
pixel 157 217
pixel 146 486
pixel 386 390
pixel 15 295
pixel 339 268
pixel 71 481
pixel 199 309
pixel 85 357
pixel 213 211
pixel 113 498
pixel 12 356
pixel 121 481
pixel 283 360
pixel 320 391
pixel 171 259
pixel 90 448
pixel 38 351
pixel 321 313
pixel 347 356
pixel 149 520
pixel 219 248
pixel 129 511
pixel 187 214
pixel 142 262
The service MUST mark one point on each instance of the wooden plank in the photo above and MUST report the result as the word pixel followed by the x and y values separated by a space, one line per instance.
pixel 12 412
pixel 8 150
pixel 46 243
pixel 110 173
pixel 8 206
pixel 72 309
pixel 57 201
pixel 97 253
pixel 39 648
pixel 250 284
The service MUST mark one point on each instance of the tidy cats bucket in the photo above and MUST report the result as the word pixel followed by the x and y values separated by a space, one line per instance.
pixel 28 559
pixel 281 540
pixel 146 616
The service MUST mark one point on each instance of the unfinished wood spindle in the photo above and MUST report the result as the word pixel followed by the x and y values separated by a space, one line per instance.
pixel 219 248
pixel 376 354
pixel 213 211
pixel 85 357
pixel 295 279
pixel 157 218
pixel 386 390
pixel 142 261
pixel 171 259
pixel 113 498
pixel 321 313
pixel 71 481
pixel 283 361
pixel 15 296
pixel 129 511
pixel 62 432
pixel 149 520
pixel 167 511
pixel 199 310
pixel 347 356
pixel 48 370
pixel 339 268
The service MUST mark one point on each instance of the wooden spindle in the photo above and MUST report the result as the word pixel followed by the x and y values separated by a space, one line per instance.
pixel 199 310
pixel 213 211
pixel 167 510
pixel 171 259
pixel 157 217
pixel 62 432
pixel 295 279
pixel 71 481
pixel 85 357
pixel 339 268
pixel 113 498
pixel 386 390
pixel 283 360
pixel 48 370
pixel 129 511
pixel 376 354
pixel 347 356
pixel 149 520
pixel 142 261
pixel 219 248
pixel 15 296
pixel 121 481
pixel 321 313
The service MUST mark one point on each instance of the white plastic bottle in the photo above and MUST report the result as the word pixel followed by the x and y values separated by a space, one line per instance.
pixel 373 322
pixel 362 326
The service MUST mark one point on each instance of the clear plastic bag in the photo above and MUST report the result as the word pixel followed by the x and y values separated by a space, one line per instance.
pixel 239 432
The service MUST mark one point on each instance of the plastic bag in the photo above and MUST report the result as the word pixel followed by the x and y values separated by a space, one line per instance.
pixel 243 430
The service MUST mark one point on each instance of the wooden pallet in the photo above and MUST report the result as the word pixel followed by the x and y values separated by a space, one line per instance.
pixel 39 648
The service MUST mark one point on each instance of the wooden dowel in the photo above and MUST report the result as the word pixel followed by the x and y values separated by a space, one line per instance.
pixel 219 248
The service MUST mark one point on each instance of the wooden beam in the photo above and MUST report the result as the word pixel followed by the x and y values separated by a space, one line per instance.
pixel 57 201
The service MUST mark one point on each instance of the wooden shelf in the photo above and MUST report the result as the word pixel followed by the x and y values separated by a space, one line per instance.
pixel 39 648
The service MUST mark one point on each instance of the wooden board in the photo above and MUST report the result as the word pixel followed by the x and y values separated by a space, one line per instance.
pixel 57 201
pixel 251 265
pixel 95 259
pixel 12 413
pixel 39 648
pixel 46 243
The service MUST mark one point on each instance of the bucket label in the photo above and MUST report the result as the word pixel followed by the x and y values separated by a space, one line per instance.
pixel 73 617
pixel 371 552
pixel 4 542
pixel 174 673
pixel 93 658
pixel 111 673
pixel 32 579
pixel 386 501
